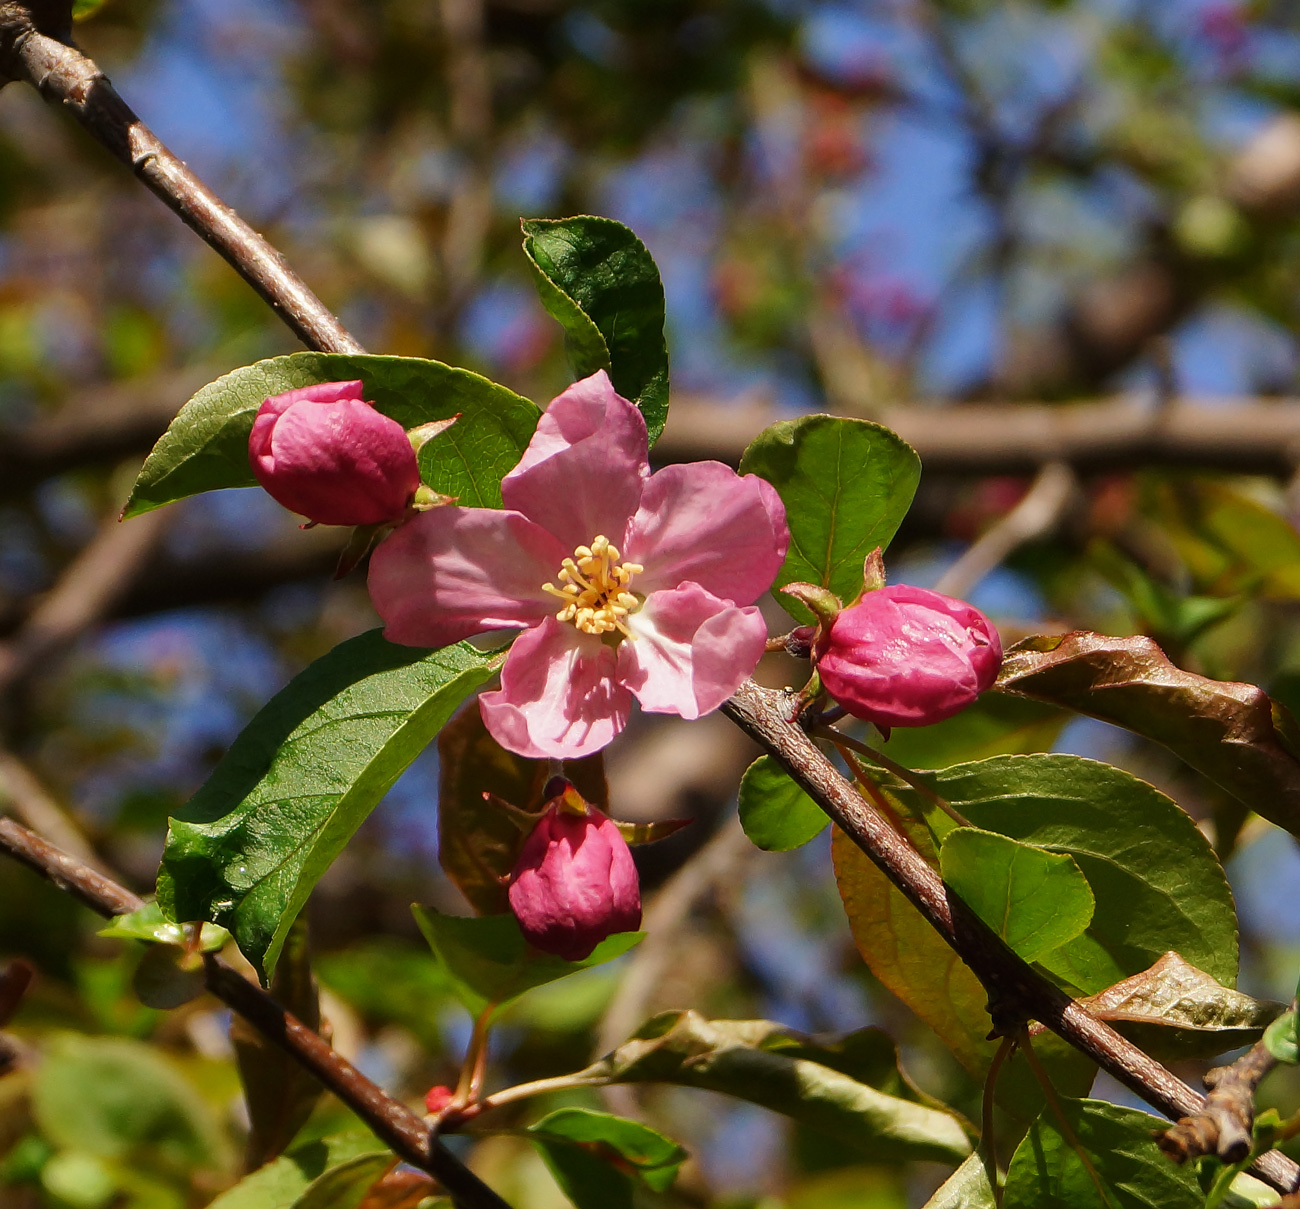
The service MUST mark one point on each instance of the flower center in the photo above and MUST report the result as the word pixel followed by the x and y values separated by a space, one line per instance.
pixel 594 587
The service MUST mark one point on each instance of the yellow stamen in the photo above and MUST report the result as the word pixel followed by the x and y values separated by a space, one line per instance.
pixel 594 588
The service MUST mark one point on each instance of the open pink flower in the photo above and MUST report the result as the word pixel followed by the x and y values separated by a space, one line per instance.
pixel 628 584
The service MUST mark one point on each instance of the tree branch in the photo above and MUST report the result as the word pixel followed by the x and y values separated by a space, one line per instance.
pixel 1017 993
pixel 63 74
pixel 392 1122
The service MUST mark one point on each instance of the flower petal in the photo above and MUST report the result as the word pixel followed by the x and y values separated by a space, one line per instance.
pixel 691 651
pixel 558 695
pixel 453 572
pixel 704 523
pixel 582 473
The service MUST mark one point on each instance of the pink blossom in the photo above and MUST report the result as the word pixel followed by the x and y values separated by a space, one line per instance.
pixel 627 584
pixel 574 883
pixel 905 656
pixel 324 452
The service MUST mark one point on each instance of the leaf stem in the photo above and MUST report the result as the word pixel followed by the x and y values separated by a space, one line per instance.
pixel 988 1143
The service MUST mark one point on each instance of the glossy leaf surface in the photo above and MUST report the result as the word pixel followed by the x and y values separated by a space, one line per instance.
pixel 1234 734
pixel 1034 899
pixel 776 814
pixel 301 778
pixel 653 1157
pixel 597 279
pixel 846 485
pixel 206 446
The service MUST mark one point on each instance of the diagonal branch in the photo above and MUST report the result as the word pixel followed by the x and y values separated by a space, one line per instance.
pixel 61 73
pixel 1017 993
pixel 395 1124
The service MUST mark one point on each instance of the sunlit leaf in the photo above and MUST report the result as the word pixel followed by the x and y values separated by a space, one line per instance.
pixel 597 279
pixel 651 1156
pixel 149 923
pixel 967 1188
pixel 730 1056
pixel 1231 733
pixel 1034 899
pixel 281 1182
pixel 301 778
pixel 776 814
pixel 846 485
pixel 346 1185
pixel 1280 1037
pixel 1046 1171
pixel 1174 1011
pixel 206 446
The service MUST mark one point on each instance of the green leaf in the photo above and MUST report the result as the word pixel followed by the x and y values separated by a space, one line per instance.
pixel 1157 883
pixel 489 962
pixel 597 279
pixel 587 1180
pixel 119 1099
pixel 654 1158
pixel 1034 899
pixel 906 954
pixel 1047 1173
pixel 149 923
pixel 1174 1011
pixel 846 485
pixel 996 725
pixel 967 1188
pixel 1280 1038
pixel 278 1092
pixel 744 1058
pixel 83 10
pixel 281 1182
pixel 1234 734
pixel 301 778
pixel 345 1186
pixel 206 445
pixel 776 814
pixel 479 840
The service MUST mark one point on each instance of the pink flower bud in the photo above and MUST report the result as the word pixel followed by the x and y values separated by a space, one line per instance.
pixel 905 656
pixel 324 452
pixel 437 1098
pixel 574 883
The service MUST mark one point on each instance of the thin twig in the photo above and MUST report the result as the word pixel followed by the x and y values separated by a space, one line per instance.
pixel 391 1121
pixel 63 74
pixel 1036 515
pixel 1017 992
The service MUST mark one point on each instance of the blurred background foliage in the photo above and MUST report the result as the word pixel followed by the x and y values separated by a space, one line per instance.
pixel 853 205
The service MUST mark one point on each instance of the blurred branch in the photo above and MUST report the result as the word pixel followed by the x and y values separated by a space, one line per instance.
pixel 394 1123
pixel 1017 992
pixel 86 591
pixel 34 47
pixel 24 796
pixel 1252 436
pixel 1034 516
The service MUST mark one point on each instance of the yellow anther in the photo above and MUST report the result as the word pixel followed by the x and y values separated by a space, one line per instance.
pixel 594 588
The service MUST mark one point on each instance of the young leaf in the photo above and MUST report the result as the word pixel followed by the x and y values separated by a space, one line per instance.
pixel 479 840
pixel 278 1093
pixel 345 1186
pixel 846 485
pixel 206 445
pixel 1280 1038
pixel 909 958
pixel 776 814
pixel 1157 883
pixel 282 1181
pixel 654 1158
pixel 1034 899
pixel 967 1188
pixel 488 962
pixel 1234 734
pixel 1046 1171
pixel 597 279
pixel 301 778
pixel 149 923
pixel 1175 1011
pixel 730 1056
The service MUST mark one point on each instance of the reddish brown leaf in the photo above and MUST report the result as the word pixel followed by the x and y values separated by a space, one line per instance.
pixel 479 840
pixel 1234 734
